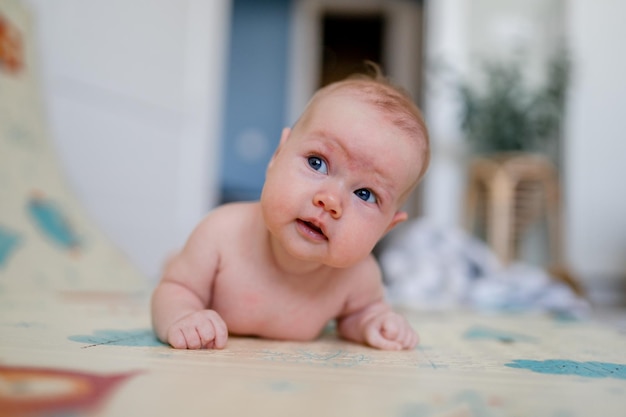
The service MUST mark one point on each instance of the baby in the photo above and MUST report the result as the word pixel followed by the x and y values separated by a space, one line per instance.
pixel 284 266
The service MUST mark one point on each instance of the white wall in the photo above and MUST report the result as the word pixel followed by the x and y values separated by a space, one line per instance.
pixel 596 143
pixel 134 97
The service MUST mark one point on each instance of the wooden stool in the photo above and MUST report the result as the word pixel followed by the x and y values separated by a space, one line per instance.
pixel 515 190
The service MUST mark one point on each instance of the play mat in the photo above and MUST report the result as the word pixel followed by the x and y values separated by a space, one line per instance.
pixel 75 335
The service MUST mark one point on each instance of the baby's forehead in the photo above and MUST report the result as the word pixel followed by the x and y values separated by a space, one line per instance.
pixel 390 102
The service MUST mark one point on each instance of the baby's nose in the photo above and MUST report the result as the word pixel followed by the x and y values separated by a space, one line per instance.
pixel 329 202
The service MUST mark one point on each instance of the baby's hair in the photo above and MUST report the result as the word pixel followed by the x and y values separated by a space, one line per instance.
pixel 391 99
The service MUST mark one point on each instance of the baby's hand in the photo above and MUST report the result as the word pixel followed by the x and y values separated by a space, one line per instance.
pixel 390 331
pixel 201 329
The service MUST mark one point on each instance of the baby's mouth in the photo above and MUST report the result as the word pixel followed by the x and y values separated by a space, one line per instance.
pixel 312 229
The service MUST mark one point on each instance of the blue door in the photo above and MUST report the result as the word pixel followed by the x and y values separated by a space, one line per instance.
pixel 255 96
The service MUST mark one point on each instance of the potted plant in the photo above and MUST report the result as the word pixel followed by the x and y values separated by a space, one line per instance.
pixel 506 115
pixel 513 132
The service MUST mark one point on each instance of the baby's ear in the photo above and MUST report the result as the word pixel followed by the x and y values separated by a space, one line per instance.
pixel 284 135
pixel 398 218
pixel 283 138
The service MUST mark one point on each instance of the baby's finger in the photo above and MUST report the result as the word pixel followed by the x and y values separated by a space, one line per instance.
pixel 390 329
pixel 405 332
pixel 183 337
pixel 221 334
pixel 192 337
pixel 410 340
pixel 374 338
pixel 219 329
pixel 206 333
pixel 176 339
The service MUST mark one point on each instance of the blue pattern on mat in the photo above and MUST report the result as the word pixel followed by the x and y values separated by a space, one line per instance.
pixel 482 332
pixel 52 222
pixel 591 369
pixel 8 241
pixel 135 338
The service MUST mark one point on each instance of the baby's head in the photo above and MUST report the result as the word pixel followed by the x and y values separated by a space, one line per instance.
pixel 339 177
pixel 392 101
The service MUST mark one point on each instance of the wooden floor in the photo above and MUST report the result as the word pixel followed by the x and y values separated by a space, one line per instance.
pixel 93 353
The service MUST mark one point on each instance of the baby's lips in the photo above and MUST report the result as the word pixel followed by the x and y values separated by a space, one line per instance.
pixel 314 226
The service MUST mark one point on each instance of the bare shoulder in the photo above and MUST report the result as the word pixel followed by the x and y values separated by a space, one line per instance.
pixel 231 213
pixel 220 226
pixel 216 234
pixel 226 219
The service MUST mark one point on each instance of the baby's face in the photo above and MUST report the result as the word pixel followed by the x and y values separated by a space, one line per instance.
pixel 337 181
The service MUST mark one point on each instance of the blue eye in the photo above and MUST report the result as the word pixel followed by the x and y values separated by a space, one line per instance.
pixel 318 164
pixel 366 195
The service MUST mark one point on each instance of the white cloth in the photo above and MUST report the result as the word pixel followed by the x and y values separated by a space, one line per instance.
pixel 432 268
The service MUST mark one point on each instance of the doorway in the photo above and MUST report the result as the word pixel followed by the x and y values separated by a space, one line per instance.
pixel 347 42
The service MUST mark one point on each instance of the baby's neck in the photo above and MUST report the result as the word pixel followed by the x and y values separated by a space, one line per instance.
pixel 289 265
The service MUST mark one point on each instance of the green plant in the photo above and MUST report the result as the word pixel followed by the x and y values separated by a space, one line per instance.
pixel 507 115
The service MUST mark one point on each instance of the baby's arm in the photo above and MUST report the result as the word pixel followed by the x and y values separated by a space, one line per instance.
pixel 180 302
pixel 368 319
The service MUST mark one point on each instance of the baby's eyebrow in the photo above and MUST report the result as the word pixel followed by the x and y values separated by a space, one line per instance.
pixel 329 140
pixel 328 145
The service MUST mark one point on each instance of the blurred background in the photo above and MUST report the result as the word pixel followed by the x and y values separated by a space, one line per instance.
pixel 162 109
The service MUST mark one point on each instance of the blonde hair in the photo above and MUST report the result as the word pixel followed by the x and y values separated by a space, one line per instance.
pixel 392 100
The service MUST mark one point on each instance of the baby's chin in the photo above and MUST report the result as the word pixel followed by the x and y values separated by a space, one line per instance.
pixel 306 256
pixel 342 262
